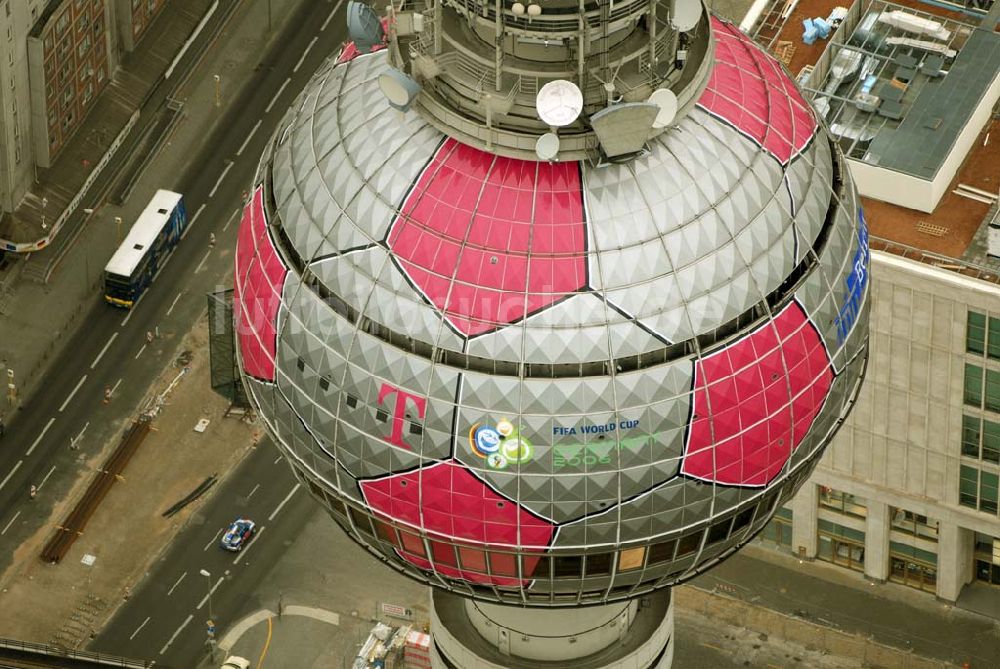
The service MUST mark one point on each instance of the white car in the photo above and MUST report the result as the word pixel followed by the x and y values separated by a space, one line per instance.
pixel 236 662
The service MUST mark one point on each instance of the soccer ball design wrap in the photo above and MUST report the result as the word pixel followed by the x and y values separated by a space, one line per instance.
pixel 549 383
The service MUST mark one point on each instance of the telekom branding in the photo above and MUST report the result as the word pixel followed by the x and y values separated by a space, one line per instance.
pixel 399 411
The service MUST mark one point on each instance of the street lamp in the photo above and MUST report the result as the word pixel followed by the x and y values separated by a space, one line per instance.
pixel 208 575
pixel 210 625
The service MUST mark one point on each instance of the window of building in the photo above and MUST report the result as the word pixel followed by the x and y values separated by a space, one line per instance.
pixel 982 387
pixel 978 489
pixel 913 523
pixel 981 439
pixel 975 333
pixel 982 335
pixel 842 502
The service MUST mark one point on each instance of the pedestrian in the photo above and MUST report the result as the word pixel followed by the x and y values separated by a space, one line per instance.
pixel 211 240
pixel 32 492
pixel 107 394
pixel 3 427
pixel 149 336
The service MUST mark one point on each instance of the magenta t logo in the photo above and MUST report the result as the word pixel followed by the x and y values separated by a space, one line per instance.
pixel 399 411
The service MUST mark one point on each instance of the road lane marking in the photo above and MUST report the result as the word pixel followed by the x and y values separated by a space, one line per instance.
pixel 16 467
pixel 225 171
pixel 283 502
pixel 104 350
pixel 209 544
pixel 174 303
pixel 210 593
pixel 277 95
pixel 191 222
pixel 250 545
pixel 46 478
pixel 132 310
pixel 330 17
pixel 171 590
pixel 276 460
pixel 302 58
pixel 7 526
pixel 253 491
pixel 226 226
pixel 179 629
pixel 246 141
pixel 202 263
pixel 76 440
pixel 115 387
pixel 78 384
pixel 139 628
pixel 39 439
pixel 136 355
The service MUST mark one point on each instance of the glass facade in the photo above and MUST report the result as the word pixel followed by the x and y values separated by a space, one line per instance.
pixel 912 566
pixel 779 529
pixel 842 502
pixel 987 556
pixel 913 524
pixel 841 545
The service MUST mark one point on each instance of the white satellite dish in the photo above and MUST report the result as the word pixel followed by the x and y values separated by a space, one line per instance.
pixel 547 146
pixel 399 89
pixel 559 103
pixel 665 99
pixel 686 14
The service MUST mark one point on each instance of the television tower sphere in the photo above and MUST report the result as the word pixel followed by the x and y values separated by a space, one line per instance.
pixel 560 382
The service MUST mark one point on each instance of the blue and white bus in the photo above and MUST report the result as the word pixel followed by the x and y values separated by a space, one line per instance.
pixel 145 249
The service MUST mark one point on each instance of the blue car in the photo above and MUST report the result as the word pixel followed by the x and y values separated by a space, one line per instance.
pixel 238 534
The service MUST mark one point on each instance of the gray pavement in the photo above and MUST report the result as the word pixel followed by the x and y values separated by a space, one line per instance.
pixel 889 613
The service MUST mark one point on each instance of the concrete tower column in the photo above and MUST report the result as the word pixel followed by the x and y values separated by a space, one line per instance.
pixel 954 564
pixel 877 541
pixel 478 635
pixel 804 515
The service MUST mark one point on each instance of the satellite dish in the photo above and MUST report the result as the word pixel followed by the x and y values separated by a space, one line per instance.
pixel 399 89
pixel 559 103
pixel 686 14
pixel 547 146
pixel 364 26
pixel 665 99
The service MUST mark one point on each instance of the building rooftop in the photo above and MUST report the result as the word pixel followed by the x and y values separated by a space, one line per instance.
pixel 934 108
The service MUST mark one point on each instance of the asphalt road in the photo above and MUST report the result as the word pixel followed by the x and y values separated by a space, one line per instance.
pixel 166 617
pixel 110 350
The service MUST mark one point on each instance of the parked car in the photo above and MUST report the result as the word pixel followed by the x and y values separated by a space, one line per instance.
pixel 238 534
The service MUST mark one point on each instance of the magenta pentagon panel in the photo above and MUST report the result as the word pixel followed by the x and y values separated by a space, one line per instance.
pixel 755 400
pixel 489 240
pixel 458 511
pixel 257 285
pixel 749 90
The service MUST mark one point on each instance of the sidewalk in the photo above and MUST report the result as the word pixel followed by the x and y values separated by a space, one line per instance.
pixel 43 315
pixel 840 599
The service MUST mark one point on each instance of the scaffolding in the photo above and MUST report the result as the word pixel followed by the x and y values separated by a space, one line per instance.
pixel 225 373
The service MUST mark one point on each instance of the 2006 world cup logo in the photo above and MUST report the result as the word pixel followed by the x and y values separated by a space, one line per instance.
pixel 499 445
